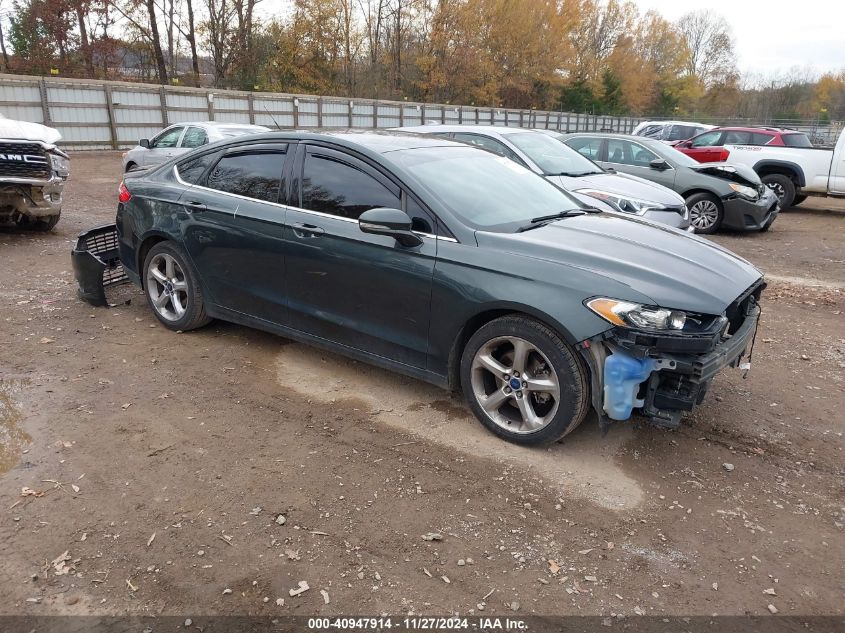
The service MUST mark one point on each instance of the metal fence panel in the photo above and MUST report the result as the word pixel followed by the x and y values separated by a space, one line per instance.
pixel 95 114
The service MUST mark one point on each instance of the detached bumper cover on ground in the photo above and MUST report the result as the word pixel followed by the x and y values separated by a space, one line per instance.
pixel 96 263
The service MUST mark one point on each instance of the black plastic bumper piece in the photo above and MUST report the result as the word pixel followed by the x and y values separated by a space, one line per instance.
pixel 96 264
pixel 670 392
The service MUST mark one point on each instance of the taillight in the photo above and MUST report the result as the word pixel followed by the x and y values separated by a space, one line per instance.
pixel 723 155
pixel 123 194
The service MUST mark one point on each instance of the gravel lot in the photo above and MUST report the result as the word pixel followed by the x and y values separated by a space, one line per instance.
pixel 166 459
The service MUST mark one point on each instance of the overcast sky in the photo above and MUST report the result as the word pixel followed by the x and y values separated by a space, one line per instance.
pixel 773 36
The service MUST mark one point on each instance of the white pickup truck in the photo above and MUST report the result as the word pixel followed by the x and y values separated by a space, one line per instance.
pixel 794 173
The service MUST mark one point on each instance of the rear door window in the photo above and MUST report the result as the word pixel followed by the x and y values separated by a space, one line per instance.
pixel 737 138
pixel 194 137
pixel 759 138
pixel 256 174
pixel 587 146
pixel 343 186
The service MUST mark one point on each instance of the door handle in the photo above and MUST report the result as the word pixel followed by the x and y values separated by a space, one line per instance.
pixel 195 206
pixel 307 230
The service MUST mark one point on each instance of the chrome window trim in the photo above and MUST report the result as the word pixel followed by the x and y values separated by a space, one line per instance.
pixel 292 208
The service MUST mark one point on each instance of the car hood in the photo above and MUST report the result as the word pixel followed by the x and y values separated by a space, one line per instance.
pixel 24 130
pixel 621 184
pixel 675 269
pixel 741 174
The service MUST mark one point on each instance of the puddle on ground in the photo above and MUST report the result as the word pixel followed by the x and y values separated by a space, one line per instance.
pixel 12 439
pixel 582 465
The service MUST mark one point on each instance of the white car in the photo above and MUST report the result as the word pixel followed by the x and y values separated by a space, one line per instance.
pixel 670 131
pixel 794 173
pixel 182 138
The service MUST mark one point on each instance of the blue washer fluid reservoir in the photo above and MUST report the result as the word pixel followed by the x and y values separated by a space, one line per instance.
pixel 622 377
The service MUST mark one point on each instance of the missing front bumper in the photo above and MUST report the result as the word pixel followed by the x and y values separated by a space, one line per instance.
pixel 661 384
pixel 96 264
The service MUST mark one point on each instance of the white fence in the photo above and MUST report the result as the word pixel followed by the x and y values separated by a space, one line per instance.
pixel 93 114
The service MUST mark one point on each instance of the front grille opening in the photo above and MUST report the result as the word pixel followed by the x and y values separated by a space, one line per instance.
pixel 24 160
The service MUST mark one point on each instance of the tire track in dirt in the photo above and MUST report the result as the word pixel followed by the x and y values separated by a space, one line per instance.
pixel 582 465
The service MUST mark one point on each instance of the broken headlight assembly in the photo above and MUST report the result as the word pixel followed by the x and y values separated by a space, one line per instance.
pixel 60 164
pixel 638 316
pixel 750 193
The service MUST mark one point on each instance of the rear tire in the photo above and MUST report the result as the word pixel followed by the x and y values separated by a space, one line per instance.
pixel 783 188
pixel 523 382
pixel 705 213
pixel 172 289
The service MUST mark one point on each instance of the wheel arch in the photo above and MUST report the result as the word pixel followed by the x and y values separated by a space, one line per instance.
pixel 697 190
pixel 144 247
pixel 485 316
pixel 784 167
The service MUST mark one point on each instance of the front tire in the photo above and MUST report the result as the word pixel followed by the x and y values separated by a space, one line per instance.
pixel 172 289
pixel 705 213
pixel 523 382
pixel 782 186
pixel 799 198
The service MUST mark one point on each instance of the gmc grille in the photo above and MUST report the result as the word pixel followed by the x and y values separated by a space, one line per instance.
pixel 24 160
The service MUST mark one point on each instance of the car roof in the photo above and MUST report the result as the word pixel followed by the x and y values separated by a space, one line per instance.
pixel 692 123
pixel 215 124
pixel 759 128
pixel 480 129
pixel 376 141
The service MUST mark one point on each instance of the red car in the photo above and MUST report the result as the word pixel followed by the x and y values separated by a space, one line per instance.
pixel 708 147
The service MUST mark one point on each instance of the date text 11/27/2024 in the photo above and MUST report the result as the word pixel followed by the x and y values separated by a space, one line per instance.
pixel 417 623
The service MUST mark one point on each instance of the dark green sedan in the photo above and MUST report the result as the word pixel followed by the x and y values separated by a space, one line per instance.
pixel 438 260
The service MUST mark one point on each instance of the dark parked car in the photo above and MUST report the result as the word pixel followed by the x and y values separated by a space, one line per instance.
pixel 438 260
pixel 718 195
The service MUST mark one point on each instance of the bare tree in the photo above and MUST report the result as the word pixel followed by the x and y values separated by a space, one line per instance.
pixel 709 46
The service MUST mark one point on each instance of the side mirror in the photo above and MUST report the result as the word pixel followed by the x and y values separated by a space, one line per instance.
pixel 392 222
pixel 144 142
pixel 659 164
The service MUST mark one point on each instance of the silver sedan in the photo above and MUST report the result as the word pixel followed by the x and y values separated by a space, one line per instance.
pixel 182 138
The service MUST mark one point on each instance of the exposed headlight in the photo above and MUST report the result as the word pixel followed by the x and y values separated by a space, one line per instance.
pixel 745 192
pixel 624 204
pixel 60 164
pixel 627 314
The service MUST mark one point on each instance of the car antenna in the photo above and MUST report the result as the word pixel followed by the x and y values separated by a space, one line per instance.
pixel 278 127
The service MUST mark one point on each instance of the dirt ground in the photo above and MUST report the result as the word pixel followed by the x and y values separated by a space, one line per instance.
pixel 165 461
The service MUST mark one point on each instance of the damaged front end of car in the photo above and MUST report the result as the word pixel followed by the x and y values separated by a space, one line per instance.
pixel 661 362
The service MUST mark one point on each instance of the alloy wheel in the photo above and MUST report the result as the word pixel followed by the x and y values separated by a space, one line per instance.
pixel 515 384
pixel 704 214
pixel 167 287
pixel 777 188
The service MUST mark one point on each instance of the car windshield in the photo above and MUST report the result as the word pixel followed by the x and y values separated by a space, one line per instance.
pixel 552 156
pixel 796 140
pixel 484 190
